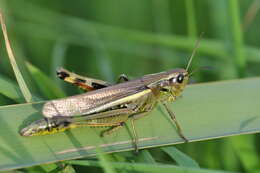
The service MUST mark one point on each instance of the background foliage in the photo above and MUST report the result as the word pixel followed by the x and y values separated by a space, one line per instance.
pixel 103 39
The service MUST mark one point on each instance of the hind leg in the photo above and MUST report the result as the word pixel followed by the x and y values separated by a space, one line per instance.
pixel 112 129
pixel 82 82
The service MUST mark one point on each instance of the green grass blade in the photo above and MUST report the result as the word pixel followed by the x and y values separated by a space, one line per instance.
pixel 203 113
pixel 181 158
pixel 191 18
pixel 164 12
pixel 45 84
pixel 108 168
pixel 22 84
pixel 237 37
pixel 247 152
pixel 67 169
pixel 144 156
pixel 230 159
pixel 10 89
pixel 58 59
pixel 158 168
pixel 41 169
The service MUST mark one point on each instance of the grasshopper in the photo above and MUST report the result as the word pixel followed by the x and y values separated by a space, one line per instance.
pixel 107 105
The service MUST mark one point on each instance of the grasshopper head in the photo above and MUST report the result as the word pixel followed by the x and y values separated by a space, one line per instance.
pixel 177 80
pixel 172 85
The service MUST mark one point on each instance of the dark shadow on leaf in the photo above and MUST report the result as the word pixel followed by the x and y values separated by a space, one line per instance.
pixel 75 142
pixel 247 122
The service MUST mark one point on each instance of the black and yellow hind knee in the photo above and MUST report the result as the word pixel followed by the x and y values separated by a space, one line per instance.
pixel 82 82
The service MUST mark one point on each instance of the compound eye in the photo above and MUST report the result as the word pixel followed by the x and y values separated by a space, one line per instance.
pixel 180 78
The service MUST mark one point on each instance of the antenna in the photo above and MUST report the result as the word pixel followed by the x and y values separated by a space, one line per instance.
pixel 194 51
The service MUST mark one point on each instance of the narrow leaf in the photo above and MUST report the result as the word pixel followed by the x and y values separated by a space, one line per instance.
pixel 203 109
pixel 181 158
pixel 247 153
pixel 145 157
pixel 10 89
pixel 108 168
pixel 22 84
pixel 158 168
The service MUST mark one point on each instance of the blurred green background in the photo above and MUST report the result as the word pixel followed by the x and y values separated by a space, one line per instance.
pixel 103 39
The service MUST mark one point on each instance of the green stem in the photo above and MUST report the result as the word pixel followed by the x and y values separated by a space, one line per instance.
pixel 237 37
pixel 191 21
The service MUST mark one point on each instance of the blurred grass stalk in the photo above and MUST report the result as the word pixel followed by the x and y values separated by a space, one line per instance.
pixel 191 19
pixel 19 77
pixel 237 37
pixel 110 34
